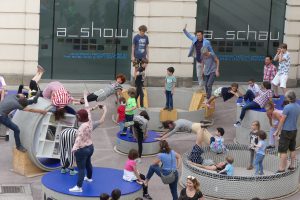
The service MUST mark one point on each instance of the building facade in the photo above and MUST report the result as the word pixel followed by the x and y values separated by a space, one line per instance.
pixel 91 39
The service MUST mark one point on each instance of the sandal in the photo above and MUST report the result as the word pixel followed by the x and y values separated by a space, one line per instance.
pixel 291 168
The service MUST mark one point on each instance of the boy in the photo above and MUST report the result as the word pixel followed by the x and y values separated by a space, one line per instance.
pixel 225 92
pixel 140 49
pixel 260 149
pixel 170 83
pixel 217 141
pixel 269 69
pixel 284 60
pixel 210 69
pixel 229 167
pixel 259 102
pixel 129 111
pixel 2 88
pixel 121 113
pixel 252 91
pixel 139 82
pixel 102 94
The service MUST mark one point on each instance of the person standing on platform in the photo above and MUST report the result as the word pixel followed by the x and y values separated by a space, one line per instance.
pixel 129 111
pixel 170 83
pixel 198 42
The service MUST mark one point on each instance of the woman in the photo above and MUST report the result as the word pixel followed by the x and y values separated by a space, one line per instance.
pixel 274 116
pixel 217 167
pixel 140 129
pixel 192 190
pixel 170 161
pixel 83 147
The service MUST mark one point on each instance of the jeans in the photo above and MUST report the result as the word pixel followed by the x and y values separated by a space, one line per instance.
pixel 83 161
pixel 9 124
pixel 252 154
pixel 248 106
pixel 209 81
pixel 259 169
pixel 128 118
pixel 140 139
pixel 199 73
pixel 169 99
pixel 140 93
pixel 173 186
pixel 122 125
pixel 249 96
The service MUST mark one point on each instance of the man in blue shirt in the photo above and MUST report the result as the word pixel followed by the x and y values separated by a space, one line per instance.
pixel 288 127
pixel 195 50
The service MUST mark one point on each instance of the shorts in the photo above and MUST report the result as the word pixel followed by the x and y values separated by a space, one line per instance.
pixel 218 92
pixel 280 80
pixel 287 141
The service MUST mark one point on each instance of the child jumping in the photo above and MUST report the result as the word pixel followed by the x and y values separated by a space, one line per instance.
pixel 255 127
pixel 170 82
pixel 121 113
pixel 260 149
pixel 129 111
pixel 217 141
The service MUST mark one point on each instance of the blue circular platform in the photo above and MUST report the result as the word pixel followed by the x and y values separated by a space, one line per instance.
pixel 151 137
pixel 105 180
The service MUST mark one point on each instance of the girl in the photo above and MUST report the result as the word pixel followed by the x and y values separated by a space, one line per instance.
pixel 192 190
pixel 260 153
pixel 140 129
pixel 274 116
pixel 131 173
pixel 255 127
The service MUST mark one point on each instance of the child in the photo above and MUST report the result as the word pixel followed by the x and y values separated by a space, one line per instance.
pixel 260 153
pixel 102 94
pixel 2 88
pixel 284 60
pixel 252 91
pixel 131 173
pixel 170 83
pixel 229 169
pixel 104 196
pixel 140 49
pixel 129 111
pixel 259 101
pixel 274 116
pixel 139 82
pixel 269 69
pixel 255 127
pixel 115 194
pixel 121 113
pixel 225 92
pixel 217 142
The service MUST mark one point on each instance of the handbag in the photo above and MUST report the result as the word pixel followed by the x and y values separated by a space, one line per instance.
pixel 170 178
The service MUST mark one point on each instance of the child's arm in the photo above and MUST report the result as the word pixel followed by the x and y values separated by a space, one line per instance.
pixel 173 87
pixel 132 51
pixel 218 67
pixel 136 173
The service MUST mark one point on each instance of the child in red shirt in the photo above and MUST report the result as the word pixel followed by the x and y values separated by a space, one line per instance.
pixel 121 113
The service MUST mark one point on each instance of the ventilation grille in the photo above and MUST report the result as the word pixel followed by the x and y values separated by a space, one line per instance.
pixel 12 189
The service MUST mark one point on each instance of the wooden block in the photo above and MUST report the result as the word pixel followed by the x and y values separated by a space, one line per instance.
pixel 24 166
pixel 168 115
pixel 197 100
pixel 209 111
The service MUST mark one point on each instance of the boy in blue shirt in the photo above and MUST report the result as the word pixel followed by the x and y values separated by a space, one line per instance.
pixel 170 83
pixel 229 167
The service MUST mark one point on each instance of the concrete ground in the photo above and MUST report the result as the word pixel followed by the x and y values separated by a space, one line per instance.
pixel 104 140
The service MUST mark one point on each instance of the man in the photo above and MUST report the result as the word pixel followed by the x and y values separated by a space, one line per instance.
pixel 269 69
pixel 10 103
pixel 195 50
pixel 288 127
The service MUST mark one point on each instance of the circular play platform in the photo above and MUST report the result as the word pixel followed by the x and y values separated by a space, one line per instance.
pixel 56 185
pixel 243 184
pixel 125 143
pixel 242 132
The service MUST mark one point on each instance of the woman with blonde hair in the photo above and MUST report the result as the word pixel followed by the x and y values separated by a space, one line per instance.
pixel 192 190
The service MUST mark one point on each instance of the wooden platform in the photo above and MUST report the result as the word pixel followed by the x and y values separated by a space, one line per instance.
pixel 197 100
pixel 209 111
pixel 168 115
pixel 23 165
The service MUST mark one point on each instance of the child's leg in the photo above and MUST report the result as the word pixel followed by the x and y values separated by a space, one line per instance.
pixel 252 153
pixel 126 121
pixel 211 99
pixel 122 125
pixel 141 98
pixel 212 139
pixel 261 167
pixel 209 83
pixel 167 99
pixel 171 100
pixel 256 163
pixel 131 126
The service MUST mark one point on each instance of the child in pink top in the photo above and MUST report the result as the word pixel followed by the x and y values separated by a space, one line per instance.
pixel 131 173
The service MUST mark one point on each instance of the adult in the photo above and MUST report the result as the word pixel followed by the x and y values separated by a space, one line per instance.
pixel 83 147
pixel 288 127
pixel 140 129
pixel 269 69
pixel 274 116
pixel 192 190
pixel 198 42
pixel 170 161
pixel 284 60
pixel 15 102
pixel 216 167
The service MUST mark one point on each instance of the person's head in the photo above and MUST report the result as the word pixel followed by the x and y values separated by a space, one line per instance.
pixel 283 47
pixel 192 183
pixel 115 194
pixel 121 78
pixel 142 30
pixel 133 154
pixel 269 108
pixel 164 146
pixel 145 115
pixel 199 35
pixel 204 51
pixel 251 82
pixel 262 135
pixel 170 71
pixel 169 124
pixel 290 96
pixel 268 60
pixel 234 87
pixel 255 126
pixel 122 100
pixel 229 159
pixel 221 165
pixel 59 113
pixel 131 92
pixel 266 85
pixel 220 131
pixel 104 196
pixel 23 101
pixel 82 115
pixel 144 62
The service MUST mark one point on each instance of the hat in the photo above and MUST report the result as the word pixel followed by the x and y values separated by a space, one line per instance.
pixel 83 115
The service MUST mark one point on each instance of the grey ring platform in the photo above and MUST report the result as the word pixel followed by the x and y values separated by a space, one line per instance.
pixel 241 186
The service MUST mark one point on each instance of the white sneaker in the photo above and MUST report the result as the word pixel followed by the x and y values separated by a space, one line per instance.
pixel 138 160
pixel 75 189
pixel 87 179
pixel 237 124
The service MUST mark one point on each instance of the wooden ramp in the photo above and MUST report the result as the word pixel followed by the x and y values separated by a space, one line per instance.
pixel 168 115
pixel 197 100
